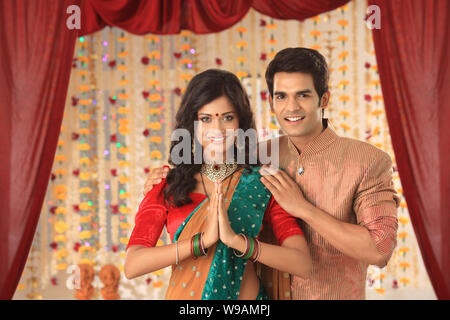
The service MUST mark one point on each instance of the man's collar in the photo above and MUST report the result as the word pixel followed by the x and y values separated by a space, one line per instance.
pixel 322 141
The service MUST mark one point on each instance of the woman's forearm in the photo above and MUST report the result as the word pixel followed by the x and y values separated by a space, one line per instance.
pixel 285 259
pixel 142 260
pixel 290 260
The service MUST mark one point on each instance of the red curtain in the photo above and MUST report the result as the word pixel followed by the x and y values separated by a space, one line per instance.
pixel 162 16
pixel 36 52
pixel 199 16
pixel 295 9
pixel 413 57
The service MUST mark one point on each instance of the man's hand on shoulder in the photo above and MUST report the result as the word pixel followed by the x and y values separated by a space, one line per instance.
pixel 155 177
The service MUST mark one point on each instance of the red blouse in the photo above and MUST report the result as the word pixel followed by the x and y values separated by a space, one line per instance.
pixel 153 214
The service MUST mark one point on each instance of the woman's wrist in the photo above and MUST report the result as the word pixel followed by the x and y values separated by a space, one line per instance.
pixel 207 241
pixel 237 242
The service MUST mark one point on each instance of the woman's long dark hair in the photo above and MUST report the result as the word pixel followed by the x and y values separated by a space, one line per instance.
pixel 204 88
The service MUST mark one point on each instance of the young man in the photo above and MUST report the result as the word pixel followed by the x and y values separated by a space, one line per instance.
pixel 341 189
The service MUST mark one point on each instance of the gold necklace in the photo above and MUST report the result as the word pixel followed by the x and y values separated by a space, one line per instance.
pixel 218 171
pixel 206 192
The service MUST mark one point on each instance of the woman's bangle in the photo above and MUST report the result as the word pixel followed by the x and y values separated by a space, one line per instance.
pixel 251 250
pixel 204 251
pixel 197 247
pixel 176 250
pixel 192 248
pixel 257 251
pixel 243 254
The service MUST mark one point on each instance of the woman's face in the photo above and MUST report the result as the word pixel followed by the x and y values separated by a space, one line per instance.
pixel 217 125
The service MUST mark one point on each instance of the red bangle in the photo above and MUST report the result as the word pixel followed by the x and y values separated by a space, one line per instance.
pixel 257 253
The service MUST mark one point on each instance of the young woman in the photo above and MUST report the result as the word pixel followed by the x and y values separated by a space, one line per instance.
pixel 215 211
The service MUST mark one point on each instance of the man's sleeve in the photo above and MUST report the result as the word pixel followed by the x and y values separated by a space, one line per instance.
pixel 376 204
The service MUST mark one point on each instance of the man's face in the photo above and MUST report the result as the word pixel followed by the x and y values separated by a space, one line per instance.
pixel 295 103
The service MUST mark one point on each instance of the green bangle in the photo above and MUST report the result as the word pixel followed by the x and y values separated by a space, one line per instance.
pixel 196 245
pixel 251 250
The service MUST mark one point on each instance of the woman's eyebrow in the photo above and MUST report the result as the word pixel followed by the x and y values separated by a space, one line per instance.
pixel 207 114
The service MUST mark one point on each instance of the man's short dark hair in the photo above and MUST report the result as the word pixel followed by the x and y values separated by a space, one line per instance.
pixel 300 60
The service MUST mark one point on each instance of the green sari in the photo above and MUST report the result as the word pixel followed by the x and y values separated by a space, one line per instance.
pixel 218 276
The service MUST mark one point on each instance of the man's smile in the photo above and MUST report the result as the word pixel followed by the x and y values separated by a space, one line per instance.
pixel 294 119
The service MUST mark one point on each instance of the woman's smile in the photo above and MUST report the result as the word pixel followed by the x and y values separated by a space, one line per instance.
pixel 217 140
